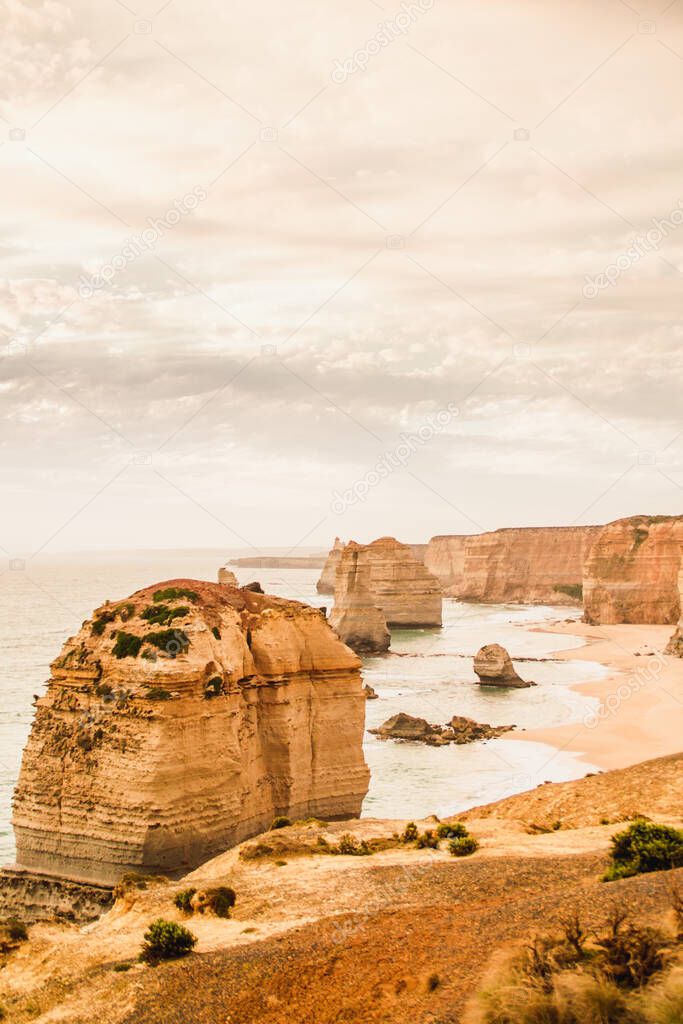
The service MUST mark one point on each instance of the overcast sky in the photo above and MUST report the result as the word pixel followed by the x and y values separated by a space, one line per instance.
pixel 247 248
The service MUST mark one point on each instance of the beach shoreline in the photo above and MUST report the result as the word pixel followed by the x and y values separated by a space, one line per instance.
pixel 640 714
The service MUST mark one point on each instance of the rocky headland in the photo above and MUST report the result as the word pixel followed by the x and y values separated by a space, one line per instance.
pixel 180 721
pixel 355 617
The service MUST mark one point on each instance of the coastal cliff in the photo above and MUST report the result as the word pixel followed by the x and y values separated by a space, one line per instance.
pixel 355 617
pixel 632 572
pixel 400 585
pixel 179 722
pixel 531 565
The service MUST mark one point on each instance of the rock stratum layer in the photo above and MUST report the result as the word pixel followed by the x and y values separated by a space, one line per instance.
pixel 355 617
pixel 533 565
pixel 632 572
pixel 399 585
pixel 181 721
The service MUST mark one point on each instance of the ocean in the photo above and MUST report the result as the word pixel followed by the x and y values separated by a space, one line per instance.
pixel 427 673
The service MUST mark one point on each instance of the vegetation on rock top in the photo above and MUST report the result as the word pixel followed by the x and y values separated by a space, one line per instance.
pixel 644 847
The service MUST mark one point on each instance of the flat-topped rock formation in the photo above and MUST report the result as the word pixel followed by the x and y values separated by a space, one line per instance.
pixel 355 617
pixel 533 565
pixel 494 667
pixel 632 572
pixel 400 586
pixel 326 583
pixel 180 721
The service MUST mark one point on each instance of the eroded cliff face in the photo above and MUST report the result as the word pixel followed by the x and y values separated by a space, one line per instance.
pixel 326 583
pixel 533 565
pixel 181 721
pixel 355 617
pixel 632 572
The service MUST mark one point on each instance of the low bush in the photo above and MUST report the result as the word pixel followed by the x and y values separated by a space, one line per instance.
pixel 216 632
pixel 165 940
pixel 350 846
pixel 163 615
pixel 410 833
pixel 279 822
pixel 172 641
pixel 119 968
pixel 463 846
pixel 453 831
pixel 183 900
pixel 16 929
pixel 127 645
pixel 158 693
pixel 134 880
pixel 574 590
pixel 427 841
pixel 219 901
pixel 174 594
pixel 644 847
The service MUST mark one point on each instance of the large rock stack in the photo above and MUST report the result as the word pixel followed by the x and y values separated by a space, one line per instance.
pixel 355 617
pixel 179 722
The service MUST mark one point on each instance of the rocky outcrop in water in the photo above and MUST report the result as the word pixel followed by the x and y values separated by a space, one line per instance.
pixel 326 583
pixel 533 565
pixel 355 618
pixel 459 730
pixel 180 721
pixel 494 667
pixel 632 572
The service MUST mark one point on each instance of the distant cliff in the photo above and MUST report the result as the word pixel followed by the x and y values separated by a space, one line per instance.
pixel 632 571
pixel 279 562
pixel 531 565
pixel 180 721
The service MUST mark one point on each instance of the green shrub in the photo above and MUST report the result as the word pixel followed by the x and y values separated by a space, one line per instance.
pixel 410 833
pixel 158 693
pixel 162 615
pixel 213 687
pixel 574 590
pixel 279 822
pixel 183 900
pixel 102 621
pixel 454 831
pixel 16 929
pixel 165 940
pixel 172 641
pixel 219 901
pixel 173 594
pixel 350 846
pixel 121 967
pixel 427 841
pixel 127 645
pixel 644 847
pixel 216 632
pixel 433 982
pixel 463 846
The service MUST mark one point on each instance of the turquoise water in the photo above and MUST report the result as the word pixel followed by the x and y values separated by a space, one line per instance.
pixel 428 674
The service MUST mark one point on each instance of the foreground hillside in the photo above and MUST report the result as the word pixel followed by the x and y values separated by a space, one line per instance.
pixel 404 935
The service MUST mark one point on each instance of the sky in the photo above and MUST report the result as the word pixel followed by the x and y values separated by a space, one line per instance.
pixel 272 273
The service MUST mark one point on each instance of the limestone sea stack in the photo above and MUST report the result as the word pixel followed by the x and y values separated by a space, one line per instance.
pixel 326 583
pixel 181 721
pixel 532 565
pixel 355 618
pixel 494 667
pixel 227 577
pixel 400 586
pixel 632 572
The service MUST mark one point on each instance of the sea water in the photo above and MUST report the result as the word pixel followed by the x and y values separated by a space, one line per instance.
pixel 428 673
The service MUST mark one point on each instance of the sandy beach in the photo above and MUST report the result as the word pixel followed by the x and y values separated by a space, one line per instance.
pixel 641 703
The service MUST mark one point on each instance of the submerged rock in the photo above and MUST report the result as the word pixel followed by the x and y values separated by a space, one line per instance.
pixel 494 667
pixel 459 730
